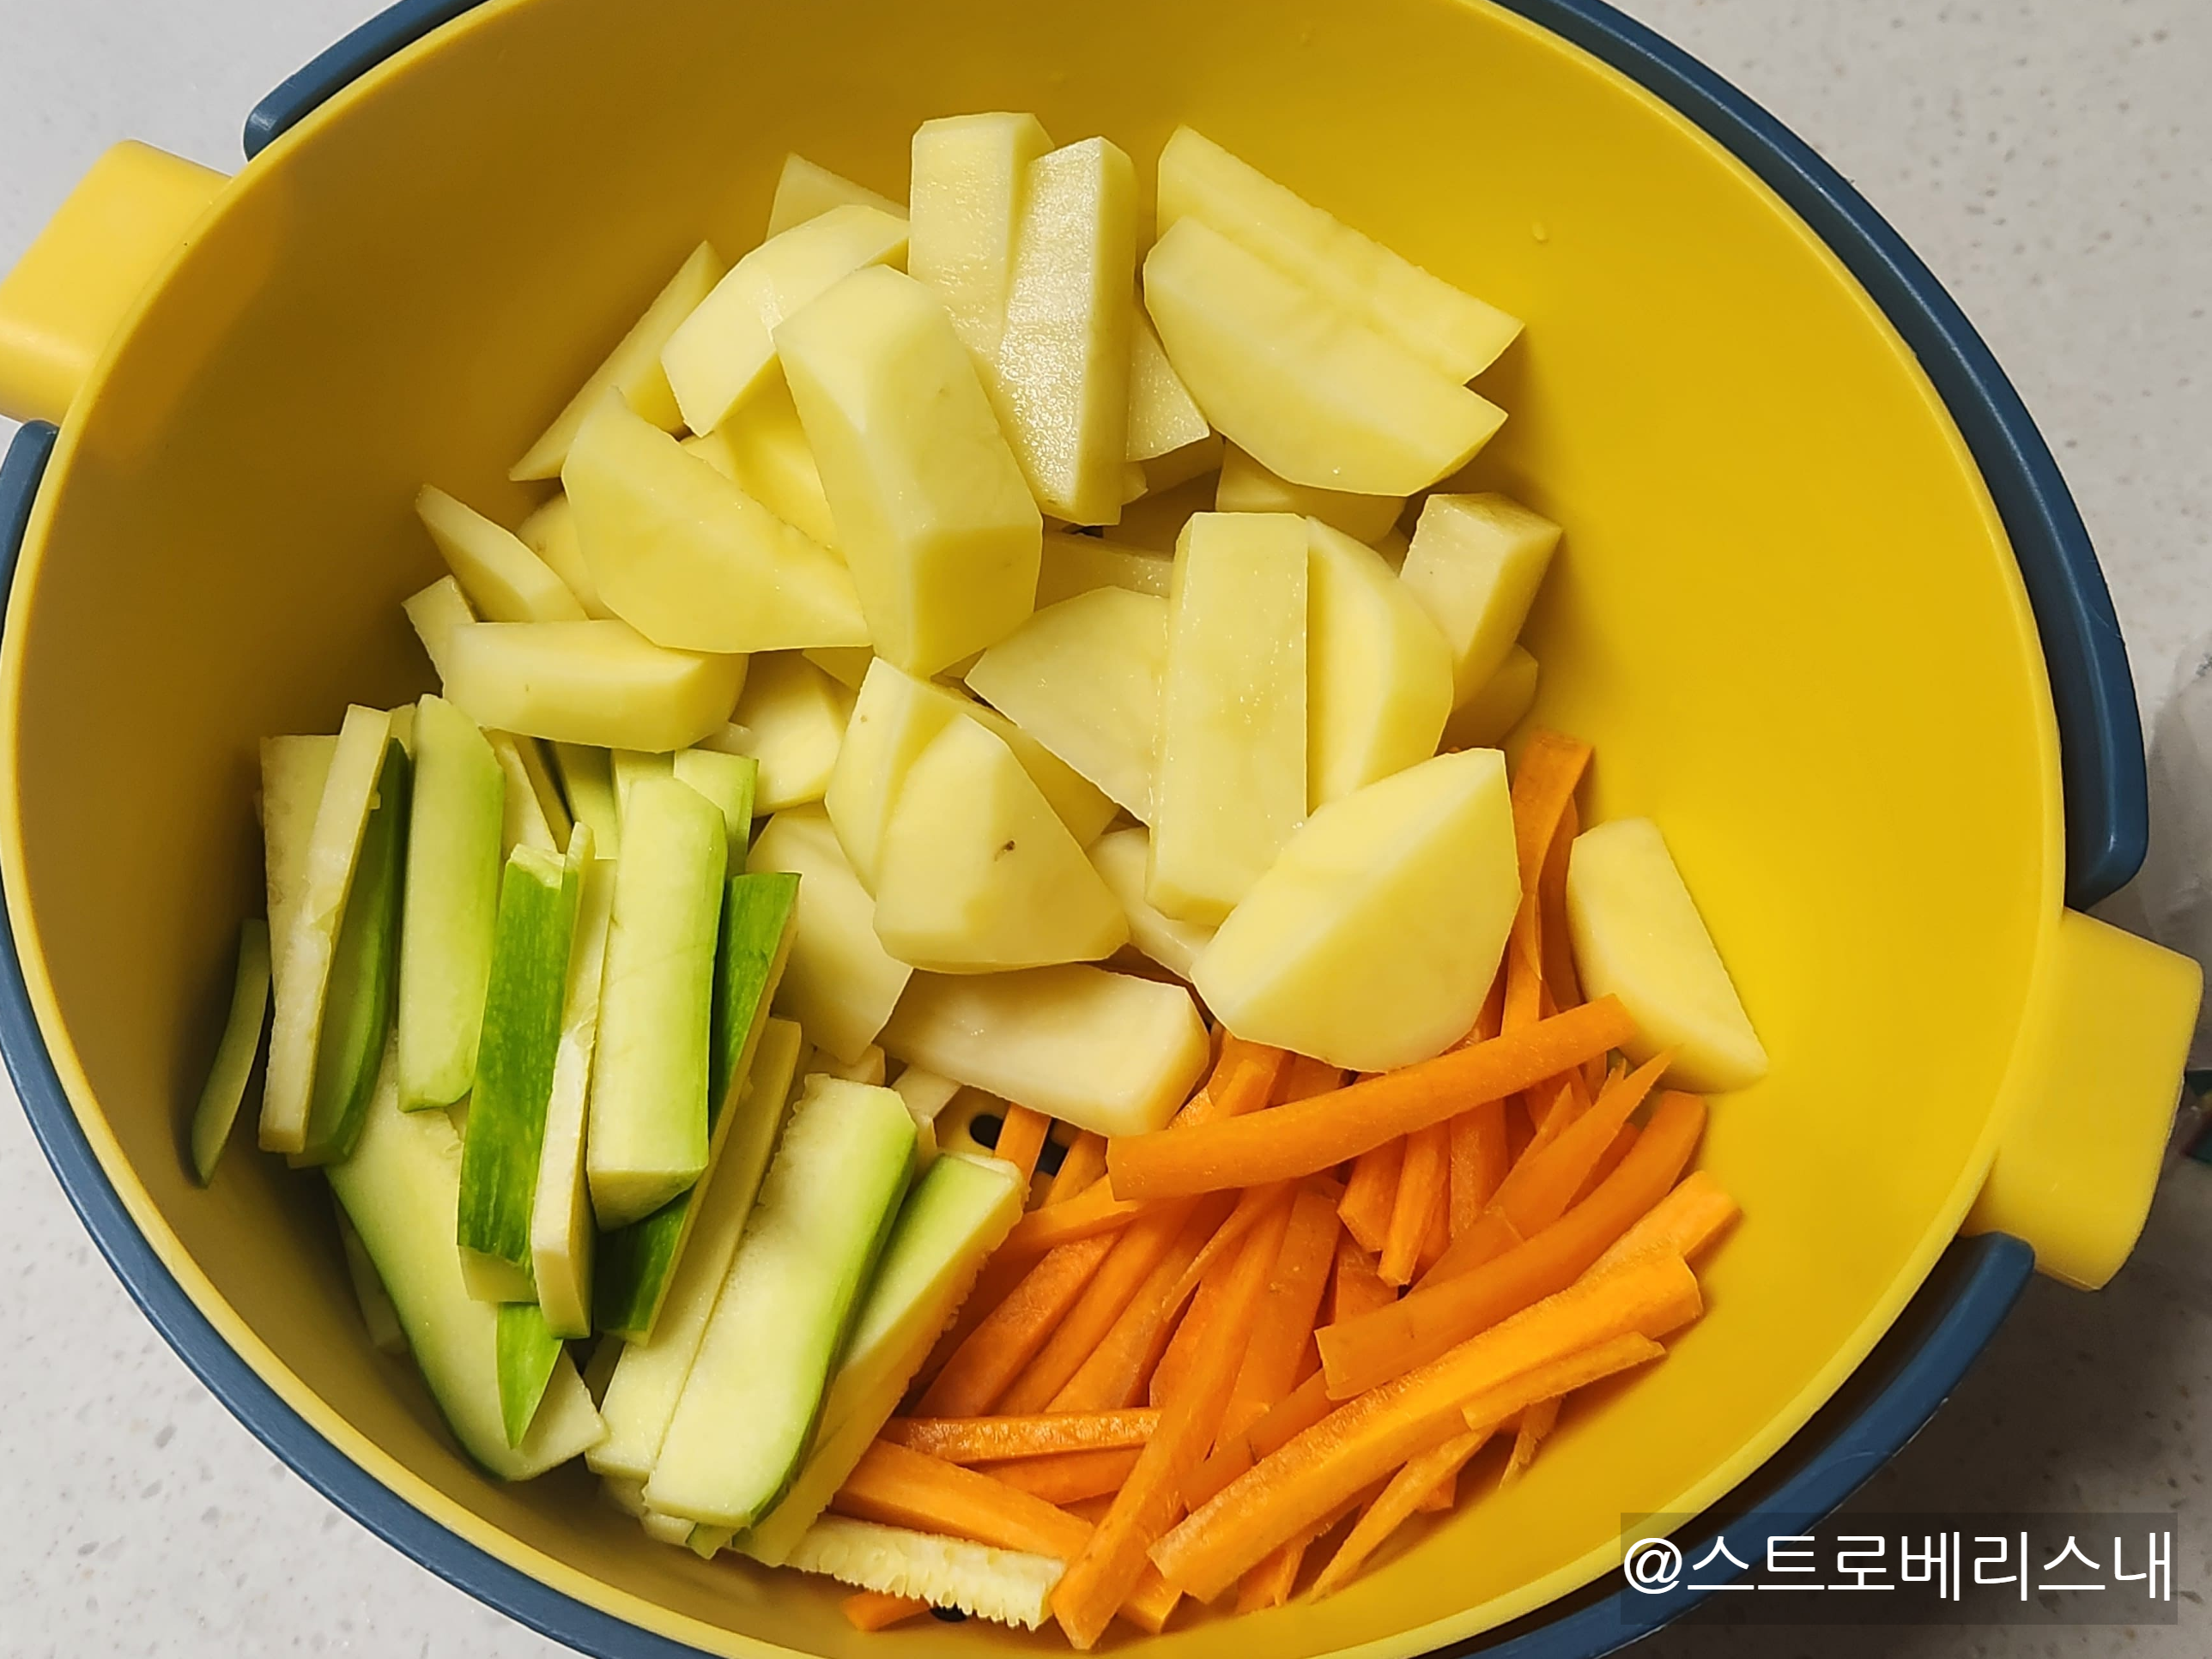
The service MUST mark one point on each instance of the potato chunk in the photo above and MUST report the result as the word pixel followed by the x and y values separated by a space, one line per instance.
pixel 1475 565
pixel 597 683
pixel 1378 678
pixel 968 172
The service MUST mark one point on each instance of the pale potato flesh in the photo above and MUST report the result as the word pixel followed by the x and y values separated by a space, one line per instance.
pixel 1075 564
pixel 1120 857
pixel 762 449
pixel 1475 565
pixel 435 613
pixel 1163 416
pixel 1378 676
pixel 968 172
pixel 601 683
pixel 549 532
pixel 805 190
pixel 1372 941
pixel 504 581
pixel 1248 487
pixel 1639 936
pixel 894 718
pixel 1485 720
pixel 840 983
pixel 794 716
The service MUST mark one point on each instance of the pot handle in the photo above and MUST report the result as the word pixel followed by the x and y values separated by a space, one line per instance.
pixel 2089 1099
pixel 73 286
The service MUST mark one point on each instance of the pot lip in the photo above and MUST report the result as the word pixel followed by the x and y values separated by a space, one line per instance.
pixel 2105 821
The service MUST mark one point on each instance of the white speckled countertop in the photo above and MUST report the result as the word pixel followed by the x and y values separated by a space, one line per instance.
pixel 2047 158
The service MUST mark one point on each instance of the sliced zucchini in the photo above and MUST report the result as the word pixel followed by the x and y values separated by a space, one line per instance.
pixel 587 777
pixel 731 782
pixel 531 948
pixel 747 1410
pixel 648 1139
pixel 528 1350
pixel 627 767
pixel 1008 1586
pixel 218 1112
pixel 648 1375
pixel 523 821
pixel 451 901
pixel 958 1213
pixel 562 1235
pixel 377 1312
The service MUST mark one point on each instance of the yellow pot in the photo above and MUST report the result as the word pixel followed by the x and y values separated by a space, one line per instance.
pixel 1823 608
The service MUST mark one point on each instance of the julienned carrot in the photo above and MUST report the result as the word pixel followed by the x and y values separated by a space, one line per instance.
pixel 1443 1496
pixel 1554 1108
pixel 1524 970
pixel 1147 1606
pixel 1302 1077
pixel 1371 1193
pixel 1012 1333
pixel 1283 1334
pixel 1476 1163
pixel 1422 1196
pixel 1443 1312
pixel 991 1439
pixel 1021 1137
pixel 1100 1579
pixel 903 1488
pixel 1068 1477
pixel 1551 766
pixel 1608 1161
pixel 1137 1251
pixel 1116 1371
pixel 1001 1272
pixel 1438 1238
pixel 1356 1287
pixel 1407 1491
pixel 877 1610
pixel 1309 1135
pixel 1305 1406
pixel 1536 1422
pixel 1080 1167
pixel 1366 1438
pixel 1687 1219
pixel 1559 953
pixel 1253 1205
pixel 1538 1190
pixel 1244 1080
pixel 1092 1511
pixel 1501 1403
pixel 1260 1209
pixel 1270 1584
pixel 1093 1211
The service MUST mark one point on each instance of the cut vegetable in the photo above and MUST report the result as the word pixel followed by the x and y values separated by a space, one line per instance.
pixel 1485 719
pixel 522 819
pixel 401 1189
pixel 841 985
pixel 528 1350
pixel 1311 393
pixel 933 514
pixel 894 1487
pixel 980 1439
pixel 1106 1052
pixel 749 1407
pixel 956 1214
pixel 803 192
pixel 357 1008
pixel 504 581
pixel 648 1131
pixel 1378 678
pixel 726 348
pixel 730 782
pixel 976 871
pixel 1248 487
pixel 632 368
pixel 969 174
pixel 377 1315
pixel 1373 939
pixel 562 1235
pixel 434 613
pixel 1638 936
pixel 1121 857
pixel 549 532
pixel 1083 678
pixel 1230 786
pixel 1080 805
pixel 649 1374
pixel 1163 419
pixel 1003 1585
pixel 1475 565
pixel 794 716
pixel 505 1131
pixel 1075 564
pixel 597 683
pixel 759 916
pixel 300 953
pixel 294 771
pixel 588 781
pixel 1456 334
pixel 1063 370
pixel 762 449
pixel 894 718
pixel 217 1111
pixel 452 897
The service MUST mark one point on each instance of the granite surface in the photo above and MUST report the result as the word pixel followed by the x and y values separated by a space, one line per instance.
pixel 2046 157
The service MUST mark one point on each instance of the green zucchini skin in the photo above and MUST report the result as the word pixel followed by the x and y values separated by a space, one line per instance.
pixel 527 1352
pixel 225 1091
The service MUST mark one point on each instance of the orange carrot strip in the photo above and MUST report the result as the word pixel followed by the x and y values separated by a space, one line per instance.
pixel 1421 1197
pixel 1093 1211
pixel 1443 1312
pixel 1100 1579
pixel 1410 1489
pixel 1371 1195
pixel 875 1610
pixel 1357 1288
pixel 1284 1333
pixel 1444 1495
pixel 1092 1511
pixel 1308 1136
pixel 992 1439
pixel 1438 1239
pixel 903 1488
pixel 1494 1407
pixel 1147 1606
pixel 1536 1422
pixel 1551 766
pixel 1001 1272
pixel 1366 1438
pixel 1080 1167
pixel 1010 1335
pixel 1307 1405
pixel 1244 1078
pixel 1270 1584
pixel 1254 1204
pixel 1137 1251
pixel 1524 970
pixel 1557 944
pixel 1687 1219
pixel 1021 1138
pixel 1477 1165
pixel 1489 1018
pixel 1068 1477
pixel 1302 1077
pixel 1608 1162
pixel 1118 1369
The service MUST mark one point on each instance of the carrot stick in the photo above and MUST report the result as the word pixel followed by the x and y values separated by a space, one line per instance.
pixel 1494 1407
pixel 1092 1511
pixel 1442 1312
pixel 1366 1438
pixel 1137 1251
pixel 1068 1477
pixel 1554 1108
pixel 1489 1019
pixel 1253 1205
pixel 1000 1273
pixel 1244 1080
pixel 1148 1605
pixel 1100 1579
pixel 1519 1130
pixel 1021 1138
pixel 1684 1222
pixel 1536 1422
pixel 1306 1405
pixel 1524 970
pixel 1080 1167
pixel 1421 1197
pixel 1357 1288
pixel 903 1488
pixel 1443 1496
pixel 1551 766
pixel 1608 1162
pixel 1537 1190
pixel 992 1439
pixel 1197 1326
pixel 1557 945
pixel 1270 1584
pixel 876 1610
pixel 1430 1472
pixel 1284 1332
pixel 1309 1135
pixel 1302 1077
pixel 1010 1335
pixel 1093 1211
pixel 1438 1238
pixel 1372 1193
pixel 1476 1163
pixel 1117 1370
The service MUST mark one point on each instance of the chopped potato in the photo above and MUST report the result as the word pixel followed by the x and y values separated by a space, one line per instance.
pixel 1248 487
pixel 504 579
pixel 762 449
pixel 1163 418
pixel 1076 564
pixel 597 683
pixel 795 716
pixel 968 172
pixel 805 190
pixel 1378 676
pixel 1484 720
pixel 1475 565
